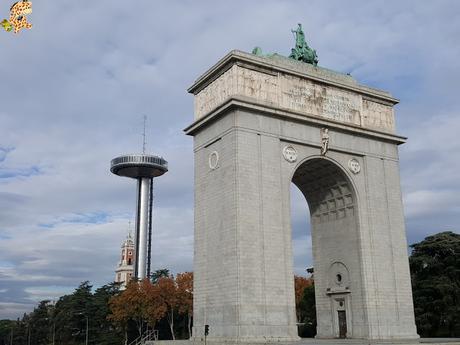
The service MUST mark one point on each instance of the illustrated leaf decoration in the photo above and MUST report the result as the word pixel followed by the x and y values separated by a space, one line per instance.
pixel 6 25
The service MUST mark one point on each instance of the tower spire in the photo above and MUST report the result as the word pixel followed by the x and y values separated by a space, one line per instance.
pixel 129 230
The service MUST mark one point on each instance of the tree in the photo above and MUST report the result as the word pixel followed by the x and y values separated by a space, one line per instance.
pixel 162 273
pixel 185 297
pixel 102 331
pixel 305 306
pixel 6 331
pixel 111 313
pixel 129 305
pixel 70 315
pixel 119 307
pixel 156 309
pixel 140 302
pixel 308 312
pixel 300 284
pixel 40 323
pixel 167 294
pixel 435 273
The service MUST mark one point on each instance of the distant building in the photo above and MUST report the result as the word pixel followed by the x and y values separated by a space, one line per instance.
pixel 125 269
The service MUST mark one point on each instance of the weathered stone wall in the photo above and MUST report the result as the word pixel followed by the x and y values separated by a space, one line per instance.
pixel 295 93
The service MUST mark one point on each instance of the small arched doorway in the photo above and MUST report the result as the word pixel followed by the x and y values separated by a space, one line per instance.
pixel 332 203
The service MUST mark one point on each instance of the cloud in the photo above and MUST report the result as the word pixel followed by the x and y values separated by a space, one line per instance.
pixel 431 202
pixel 75 87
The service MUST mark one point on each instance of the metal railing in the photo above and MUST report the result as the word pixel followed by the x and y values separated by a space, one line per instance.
pixel 139 159
pixel 148 335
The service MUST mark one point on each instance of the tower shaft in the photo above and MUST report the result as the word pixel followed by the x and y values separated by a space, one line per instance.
pixel 142 226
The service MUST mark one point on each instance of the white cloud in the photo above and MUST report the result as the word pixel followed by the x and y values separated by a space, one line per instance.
pixel 431 162
pixel 431 202
pixel 13 310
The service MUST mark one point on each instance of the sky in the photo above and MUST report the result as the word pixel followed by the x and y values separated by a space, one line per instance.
pixel 75 87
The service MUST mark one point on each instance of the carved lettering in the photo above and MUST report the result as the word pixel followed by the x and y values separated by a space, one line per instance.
pixel 296 94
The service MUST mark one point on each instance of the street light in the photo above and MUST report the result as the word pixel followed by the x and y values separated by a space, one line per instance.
pixel 28 332
pixel 54 330
pixel 54 327
pixel 53 303
pixel 87 322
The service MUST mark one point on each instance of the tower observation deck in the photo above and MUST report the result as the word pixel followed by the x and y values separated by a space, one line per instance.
pixel 143 168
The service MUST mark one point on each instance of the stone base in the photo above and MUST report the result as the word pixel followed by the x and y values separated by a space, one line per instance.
pixel 313 341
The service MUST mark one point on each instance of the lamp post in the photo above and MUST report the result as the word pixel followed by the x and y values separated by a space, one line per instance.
pixel 54 327
pixel 12 334
pixel 87 321
pixel 87 324
pixel 54 330
pixel 28 333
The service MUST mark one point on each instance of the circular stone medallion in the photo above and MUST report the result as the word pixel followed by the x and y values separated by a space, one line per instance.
pixel 354 166
pixel 213 160
pixel 290 154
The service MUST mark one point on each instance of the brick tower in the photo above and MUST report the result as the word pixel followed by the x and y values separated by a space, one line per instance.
pixel 125 269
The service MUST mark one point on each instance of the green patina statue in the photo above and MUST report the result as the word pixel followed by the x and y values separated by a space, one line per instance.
pixel 302 51
pixel 258 51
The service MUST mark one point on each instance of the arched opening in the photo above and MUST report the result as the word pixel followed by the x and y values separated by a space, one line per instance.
pixel 331 203
pixel 303 264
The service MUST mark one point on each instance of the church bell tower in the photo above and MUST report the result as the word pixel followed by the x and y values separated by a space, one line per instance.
pixel 125 269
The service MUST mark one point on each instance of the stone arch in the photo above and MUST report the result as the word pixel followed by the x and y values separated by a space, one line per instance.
pixel 329 191
pixel 243 286
pixel 333 204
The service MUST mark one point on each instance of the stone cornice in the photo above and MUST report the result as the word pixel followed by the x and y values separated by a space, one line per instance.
pixel 277 63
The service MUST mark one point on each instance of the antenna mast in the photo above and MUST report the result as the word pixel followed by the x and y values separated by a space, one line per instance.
pixel 143 135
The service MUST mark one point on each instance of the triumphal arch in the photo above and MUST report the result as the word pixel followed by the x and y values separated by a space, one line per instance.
pixel 262 122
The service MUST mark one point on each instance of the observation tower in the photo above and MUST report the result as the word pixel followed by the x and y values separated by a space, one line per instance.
pixel 143 168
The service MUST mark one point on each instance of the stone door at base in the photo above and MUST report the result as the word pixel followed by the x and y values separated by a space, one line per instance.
pixel 342 315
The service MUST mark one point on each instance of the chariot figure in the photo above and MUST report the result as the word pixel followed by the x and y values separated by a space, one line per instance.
pixel 302 51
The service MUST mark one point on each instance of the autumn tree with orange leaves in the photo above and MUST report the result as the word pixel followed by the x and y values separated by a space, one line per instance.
pixel 167 299
pixel 184 283
pixel 300 284
pixel 146 303
pixel 139 302
pixel 305 306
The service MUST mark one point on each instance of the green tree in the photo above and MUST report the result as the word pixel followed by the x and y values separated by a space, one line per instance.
pixel 70 315
pixel 300 284
pixel 40 323
pixel 6 329
pixel 435 272
pixel 307 307
pixel 101 327
pixel 162 273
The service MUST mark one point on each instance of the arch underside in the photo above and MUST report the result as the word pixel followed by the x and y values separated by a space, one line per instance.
pixel 327 190
pixel 334 231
